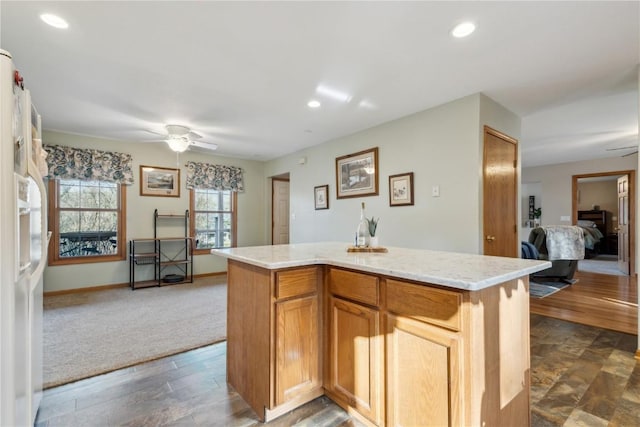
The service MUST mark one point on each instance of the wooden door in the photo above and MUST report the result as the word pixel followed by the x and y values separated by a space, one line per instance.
pixel 355 352
pixel 424 385
pixel 623 224
pixel 297 348
pixel 500 194
pixel 280 213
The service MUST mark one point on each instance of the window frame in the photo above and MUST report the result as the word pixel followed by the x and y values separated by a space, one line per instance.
pixel 54 257
pixel 192 220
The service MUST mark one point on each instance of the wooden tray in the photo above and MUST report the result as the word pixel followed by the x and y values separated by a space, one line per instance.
pixel 378 249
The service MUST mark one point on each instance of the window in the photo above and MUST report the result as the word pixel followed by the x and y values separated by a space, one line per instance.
pixel 213 219
pixel 87 221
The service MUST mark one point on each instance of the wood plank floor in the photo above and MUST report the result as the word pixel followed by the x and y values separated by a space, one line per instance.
pixel 609 302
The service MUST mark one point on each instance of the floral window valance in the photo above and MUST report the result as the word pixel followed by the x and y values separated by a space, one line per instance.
pixel 214 177
pixel 85 164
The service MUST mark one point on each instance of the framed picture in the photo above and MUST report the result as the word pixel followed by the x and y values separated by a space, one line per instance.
pixel 157 181
pixel 401 189
pixel 321 196
pixel 357 174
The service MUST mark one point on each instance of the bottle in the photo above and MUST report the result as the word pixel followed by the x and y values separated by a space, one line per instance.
pixel 363 230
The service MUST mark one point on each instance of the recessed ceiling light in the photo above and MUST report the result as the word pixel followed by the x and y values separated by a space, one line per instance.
pixel 314 103
pixel 54 20
pixel 463 30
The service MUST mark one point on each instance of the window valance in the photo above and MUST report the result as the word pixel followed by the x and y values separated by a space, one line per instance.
pixel 215 177
pixel 86 164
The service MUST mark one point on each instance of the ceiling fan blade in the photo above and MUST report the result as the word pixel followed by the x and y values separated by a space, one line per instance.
pixel 194 135
pixel 163 134
pixel 205 145
pixel 622 148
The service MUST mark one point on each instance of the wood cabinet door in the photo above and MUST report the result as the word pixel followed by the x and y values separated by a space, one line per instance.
pixel 356 357
pixel 297 348
pixel 423 374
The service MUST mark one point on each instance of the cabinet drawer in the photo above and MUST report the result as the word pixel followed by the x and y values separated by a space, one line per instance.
pixel 301 281
pixel 431 305
pixel 355 286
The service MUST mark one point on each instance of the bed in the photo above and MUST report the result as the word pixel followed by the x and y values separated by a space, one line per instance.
pixel 594 225
pixel 592 235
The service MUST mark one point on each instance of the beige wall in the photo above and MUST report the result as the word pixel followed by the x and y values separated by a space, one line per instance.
pixel 442 146
pixel 556 180
pixel 602 194
pixel 140 209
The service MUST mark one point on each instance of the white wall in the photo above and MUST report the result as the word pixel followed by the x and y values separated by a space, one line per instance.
pixel 442 146
pixel 139 221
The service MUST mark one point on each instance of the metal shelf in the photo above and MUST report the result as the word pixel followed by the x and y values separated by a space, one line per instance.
pixel 173 253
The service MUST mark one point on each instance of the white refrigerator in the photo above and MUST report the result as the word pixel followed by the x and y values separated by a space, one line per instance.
pixel 23 249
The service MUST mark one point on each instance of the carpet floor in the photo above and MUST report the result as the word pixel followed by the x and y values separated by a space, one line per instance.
pixel 91 333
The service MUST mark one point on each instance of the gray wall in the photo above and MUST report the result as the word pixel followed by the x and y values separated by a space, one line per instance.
pixel 139 221
pixel 555 181
pixel 442 146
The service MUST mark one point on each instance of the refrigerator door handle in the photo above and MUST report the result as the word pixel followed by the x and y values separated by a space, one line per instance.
pixel 45 235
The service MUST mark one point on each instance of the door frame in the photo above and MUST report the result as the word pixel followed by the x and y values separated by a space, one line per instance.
pixel 632 208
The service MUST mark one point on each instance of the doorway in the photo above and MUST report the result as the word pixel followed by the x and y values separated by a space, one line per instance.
pixel 605 201
pixel 280 209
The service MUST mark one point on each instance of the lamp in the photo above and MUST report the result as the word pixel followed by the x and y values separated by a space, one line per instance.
pixel 178 143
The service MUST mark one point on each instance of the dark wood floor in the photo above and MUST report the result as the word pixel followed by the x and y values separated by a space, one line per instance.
pixel 580 375
pixel 605 301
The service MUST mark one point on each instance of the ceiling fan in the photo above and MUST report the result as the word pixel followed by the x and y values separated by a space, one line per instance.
pixel 634 147
pixel 179 138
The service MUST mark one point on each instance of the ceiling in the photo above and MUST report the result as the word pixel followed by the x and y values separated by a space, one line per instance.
pixel 241 73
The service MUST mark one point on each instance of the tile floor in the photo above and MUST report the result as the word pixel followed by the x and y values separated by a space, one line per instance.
pixel 583 376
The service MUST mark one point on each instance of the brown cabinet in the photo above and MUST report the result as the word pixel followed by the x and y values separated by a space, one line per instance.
pixel 355 358
pixel 394 352
pixel 423 370
pixel 297 348
pixel 273 337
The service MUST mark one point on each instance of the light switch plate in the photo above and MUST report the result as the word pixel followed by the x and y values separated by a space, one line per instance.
pixel 565 218
pixel 435 191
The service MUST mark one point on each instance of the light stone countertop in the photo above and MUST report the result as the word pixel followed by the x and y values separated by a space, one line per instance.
pixel 456 270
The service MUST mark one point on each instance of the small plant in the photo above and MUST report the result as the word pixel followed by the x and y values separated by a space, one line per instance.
pixel 537 212
pixel 373 225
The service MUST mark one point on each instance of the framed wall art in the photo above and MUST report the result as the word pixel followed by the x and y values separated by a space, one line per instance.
pixel 357 174
pixel 401 189
pixel 157 181
pixel 321 197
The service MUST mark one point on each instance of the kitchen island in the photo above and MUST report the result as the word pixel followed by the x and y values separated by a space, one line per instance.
pixel 407 337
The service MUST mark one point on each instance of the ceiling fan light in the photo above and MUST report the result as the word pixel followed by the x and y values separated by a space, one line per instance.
pixel 178 144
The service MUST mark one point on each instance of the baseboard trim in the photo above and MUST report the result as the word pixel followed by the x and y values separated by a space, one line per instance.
pixel 87 289
pixel 117 285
